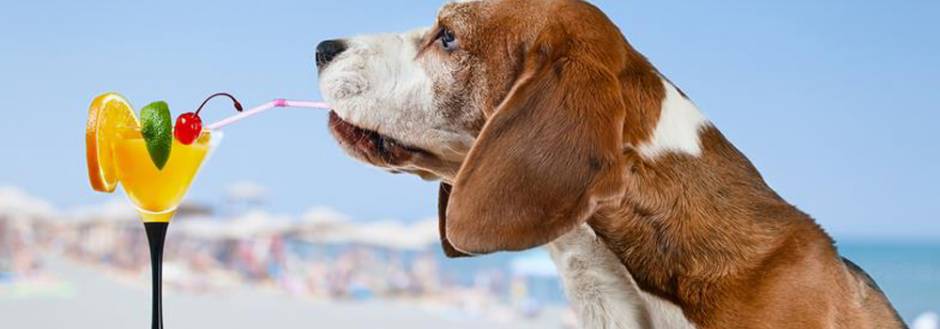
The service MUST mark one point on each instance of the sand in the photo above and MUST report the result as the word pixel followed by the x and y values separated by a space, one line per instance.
pixel 94 300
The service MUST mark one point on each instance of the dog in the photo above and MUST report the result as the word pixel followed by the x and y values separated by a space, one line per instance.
pixel 545 126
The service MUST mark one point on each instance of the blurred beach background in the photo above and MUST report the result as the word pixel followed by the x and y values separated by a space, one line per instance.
pixel 835 102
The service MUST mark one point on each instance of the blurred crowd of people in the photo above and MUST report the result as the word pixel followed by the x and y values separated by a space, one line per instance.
pixel 24 236
pixel 277 261
pixel 324 257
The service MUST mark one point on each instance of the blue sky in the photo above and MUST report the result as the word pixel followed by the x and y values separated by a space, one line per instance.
pixel 835 102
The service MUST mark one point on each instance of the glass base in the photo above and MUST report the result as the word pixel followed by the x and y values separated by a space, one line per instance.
pixel 156 235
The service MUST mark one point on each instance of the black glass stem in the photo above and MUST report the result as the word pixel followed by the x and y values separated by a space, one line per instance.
pixel 156 234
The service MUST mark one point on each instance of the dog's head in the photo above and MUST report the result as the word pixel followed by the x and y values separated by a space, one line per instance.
pixel 524 107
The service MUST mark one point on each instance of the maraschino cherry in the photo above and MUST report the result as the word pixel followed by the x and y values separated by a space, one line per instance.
pixel 189 125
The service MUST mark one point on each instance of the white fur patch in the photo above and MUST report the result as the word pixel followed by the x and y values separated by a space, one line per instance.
pixel 677 131
pixel 378 84
pixel 602 291
pixel 664 314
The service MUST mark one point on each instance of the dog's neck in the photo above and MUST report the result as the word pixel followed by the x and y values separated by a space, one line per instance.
pixel 697 216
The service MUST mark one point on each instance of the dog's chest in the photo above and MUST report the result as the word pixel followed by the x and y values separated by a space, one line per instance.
pixel 602 292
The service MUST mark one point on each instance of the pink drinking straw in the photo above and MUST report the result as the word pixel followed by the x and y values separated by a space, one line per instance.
pixel 280 102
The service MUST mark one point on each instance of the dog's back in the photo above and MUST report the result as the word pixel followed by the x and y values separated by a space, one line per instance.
pixel 872 299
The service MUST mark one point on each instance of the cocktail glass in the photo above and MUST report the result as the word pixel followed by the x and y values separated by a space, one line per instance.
pixel 117 153
pixel 157 193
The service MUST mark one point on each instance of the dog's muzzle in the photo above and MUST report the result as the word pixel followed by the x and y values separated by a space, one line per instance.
pixel 328 50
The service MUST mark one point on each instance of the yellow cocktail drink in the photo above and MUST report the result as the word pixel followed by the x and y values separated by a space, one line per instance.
pixel 155 171
pixel 157 193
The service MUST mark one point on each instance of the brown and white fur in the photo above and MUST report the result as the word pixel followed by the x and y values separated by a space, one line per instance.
pixel 547 127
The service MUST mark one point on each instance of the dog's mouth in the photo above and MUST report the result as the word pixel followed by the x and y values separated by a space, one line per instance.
pixel 371 146
pixel 377 149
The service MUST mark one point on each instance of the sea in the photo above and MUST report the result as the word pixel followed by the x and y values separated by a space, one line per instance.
pixel 909 273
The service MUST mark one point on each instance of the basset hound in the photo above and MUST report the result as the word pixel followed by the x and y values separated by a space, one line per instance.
pixel 546 127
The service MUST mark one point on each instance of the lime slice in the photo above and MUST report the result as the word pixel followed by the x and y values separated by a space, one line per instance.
pixel 157 130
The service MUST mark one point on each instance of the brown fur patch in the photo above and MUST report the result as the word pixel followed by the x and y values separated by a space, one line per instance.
pixel 706 232
pixel 713 238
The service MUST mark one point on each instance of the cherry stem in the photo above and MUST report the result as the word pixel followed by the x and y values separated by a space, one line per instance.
pixel 238 105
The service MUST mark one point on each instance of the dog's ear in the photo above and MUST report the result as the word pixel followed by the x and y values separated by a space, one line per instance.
pixel 548 155
pixel 443 198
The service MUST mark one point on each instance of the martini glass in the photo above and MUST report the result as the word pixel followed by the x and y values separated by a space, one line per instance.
pixel 117 153
pixel 156 193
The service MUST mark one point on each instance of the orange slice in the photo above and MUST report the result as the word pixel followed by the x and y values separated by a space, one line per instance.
pixel 109 116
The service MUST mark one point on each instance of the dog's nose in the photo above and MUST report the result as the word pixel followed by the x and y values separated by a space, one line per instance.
pixel 327 50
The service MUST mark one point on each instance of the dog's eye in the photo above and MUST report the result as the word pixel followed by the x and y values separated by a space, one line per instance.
pixel 447 38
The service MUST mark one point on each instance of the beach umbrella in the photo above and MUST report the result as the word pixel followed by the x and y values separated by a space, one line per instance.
pixel 533 264
pixel 318 216
pixel 928 320
pixel 16 204
pixel 257 223
pixel 246 192
pixel 397 235
pixel 390 234
pixel 114 211
pixel 207 228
